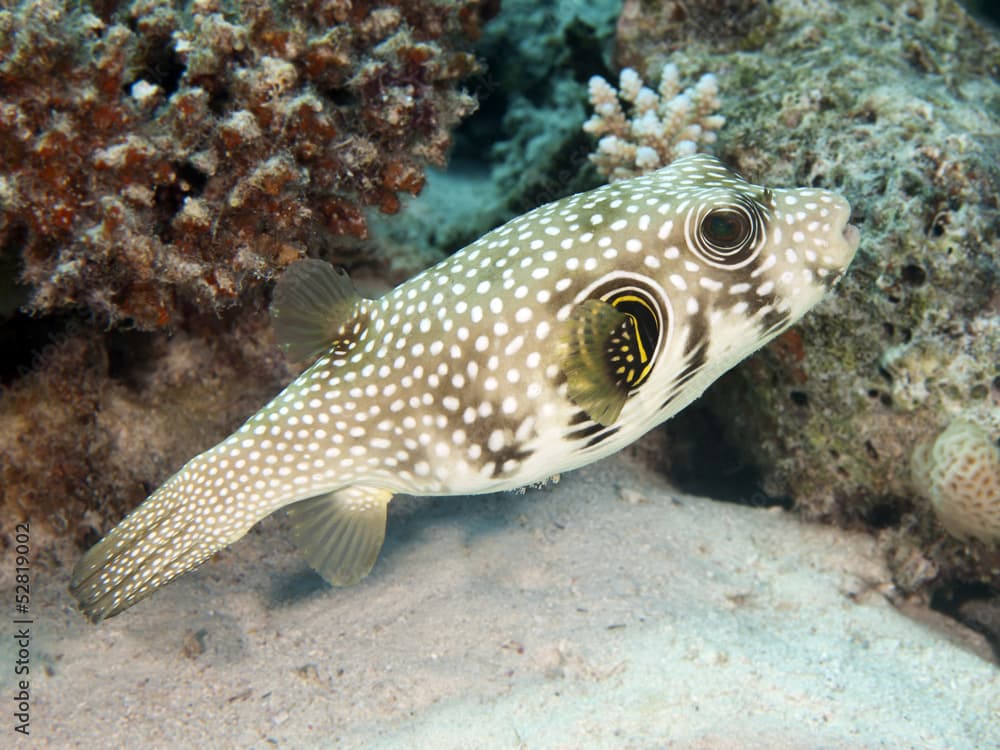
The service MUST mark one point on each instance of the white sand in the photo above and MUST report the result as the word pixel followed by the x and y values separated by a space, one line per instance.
pixel 600 612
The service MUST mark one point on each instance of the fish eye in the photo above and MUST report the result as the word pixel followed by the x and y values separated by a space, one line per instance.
pixel 726 229
pixel 728 235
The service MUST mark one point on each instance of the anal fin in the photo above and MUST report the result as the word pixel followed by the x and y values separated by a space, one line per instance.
pixel 340 533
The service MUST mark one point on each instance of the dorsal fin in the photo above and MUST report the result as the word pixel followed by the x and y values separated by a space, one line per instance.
pixel 315 308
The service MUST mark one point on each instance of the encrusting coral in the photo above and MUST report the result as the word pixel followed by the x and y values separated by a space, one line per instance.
pixel 660 126
pixel 894 105
pixel 959 472
pixel 157 152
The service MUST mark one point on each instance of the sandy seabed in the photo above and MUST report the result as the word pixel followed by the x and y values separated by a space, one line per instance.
pixel 604 611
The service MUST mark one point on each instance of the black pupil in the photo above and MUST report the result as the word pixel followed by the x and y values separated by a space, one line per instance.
pixel 725 228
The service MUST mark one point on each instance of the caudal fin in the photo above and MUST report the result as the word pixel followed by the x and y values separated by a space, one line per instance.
pixel 202 509
pixel 173 531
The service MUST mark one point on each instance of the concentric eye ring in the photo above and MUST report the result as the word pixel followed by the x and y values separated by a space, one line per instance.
pixel 728 235
pixel 726 230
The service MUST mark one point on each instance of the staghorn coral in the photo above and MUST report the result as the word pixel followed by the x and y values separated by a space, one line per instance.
pixel 661 125
pixel 959 472
pixel 157 153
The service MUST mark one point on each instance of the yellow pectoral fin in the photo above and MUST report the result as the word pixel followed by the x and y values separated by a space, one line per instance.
pixel 592 355
pixel 340 533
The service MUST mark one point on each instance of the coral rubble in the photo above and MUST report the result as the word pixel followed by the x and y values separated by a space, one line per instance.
pixel 156 153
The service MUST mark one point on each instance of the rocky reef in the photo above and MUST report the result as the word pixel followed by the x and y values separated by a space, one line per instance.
pixel 895 106
pixel 101 419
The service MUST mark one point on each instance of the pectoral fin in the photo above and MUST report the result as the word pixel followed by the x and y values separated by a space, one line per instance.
pixel 595 379
pixel 608 350
pixel 340 533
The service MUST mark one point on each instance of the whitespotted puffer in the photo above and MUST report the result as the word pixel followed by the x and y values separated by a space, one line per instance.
pixel 549 343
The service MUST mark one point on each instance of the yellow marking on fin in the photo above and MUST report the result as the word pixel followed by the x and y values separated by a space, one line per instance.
pixel 643 354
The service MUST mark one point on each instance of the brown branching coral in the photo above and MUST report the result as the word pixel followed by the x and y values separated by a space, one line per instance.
pixel 161 152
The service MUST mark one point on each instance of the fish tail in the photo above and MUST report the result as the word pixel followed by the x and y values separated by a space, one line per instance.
pixel 174 530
